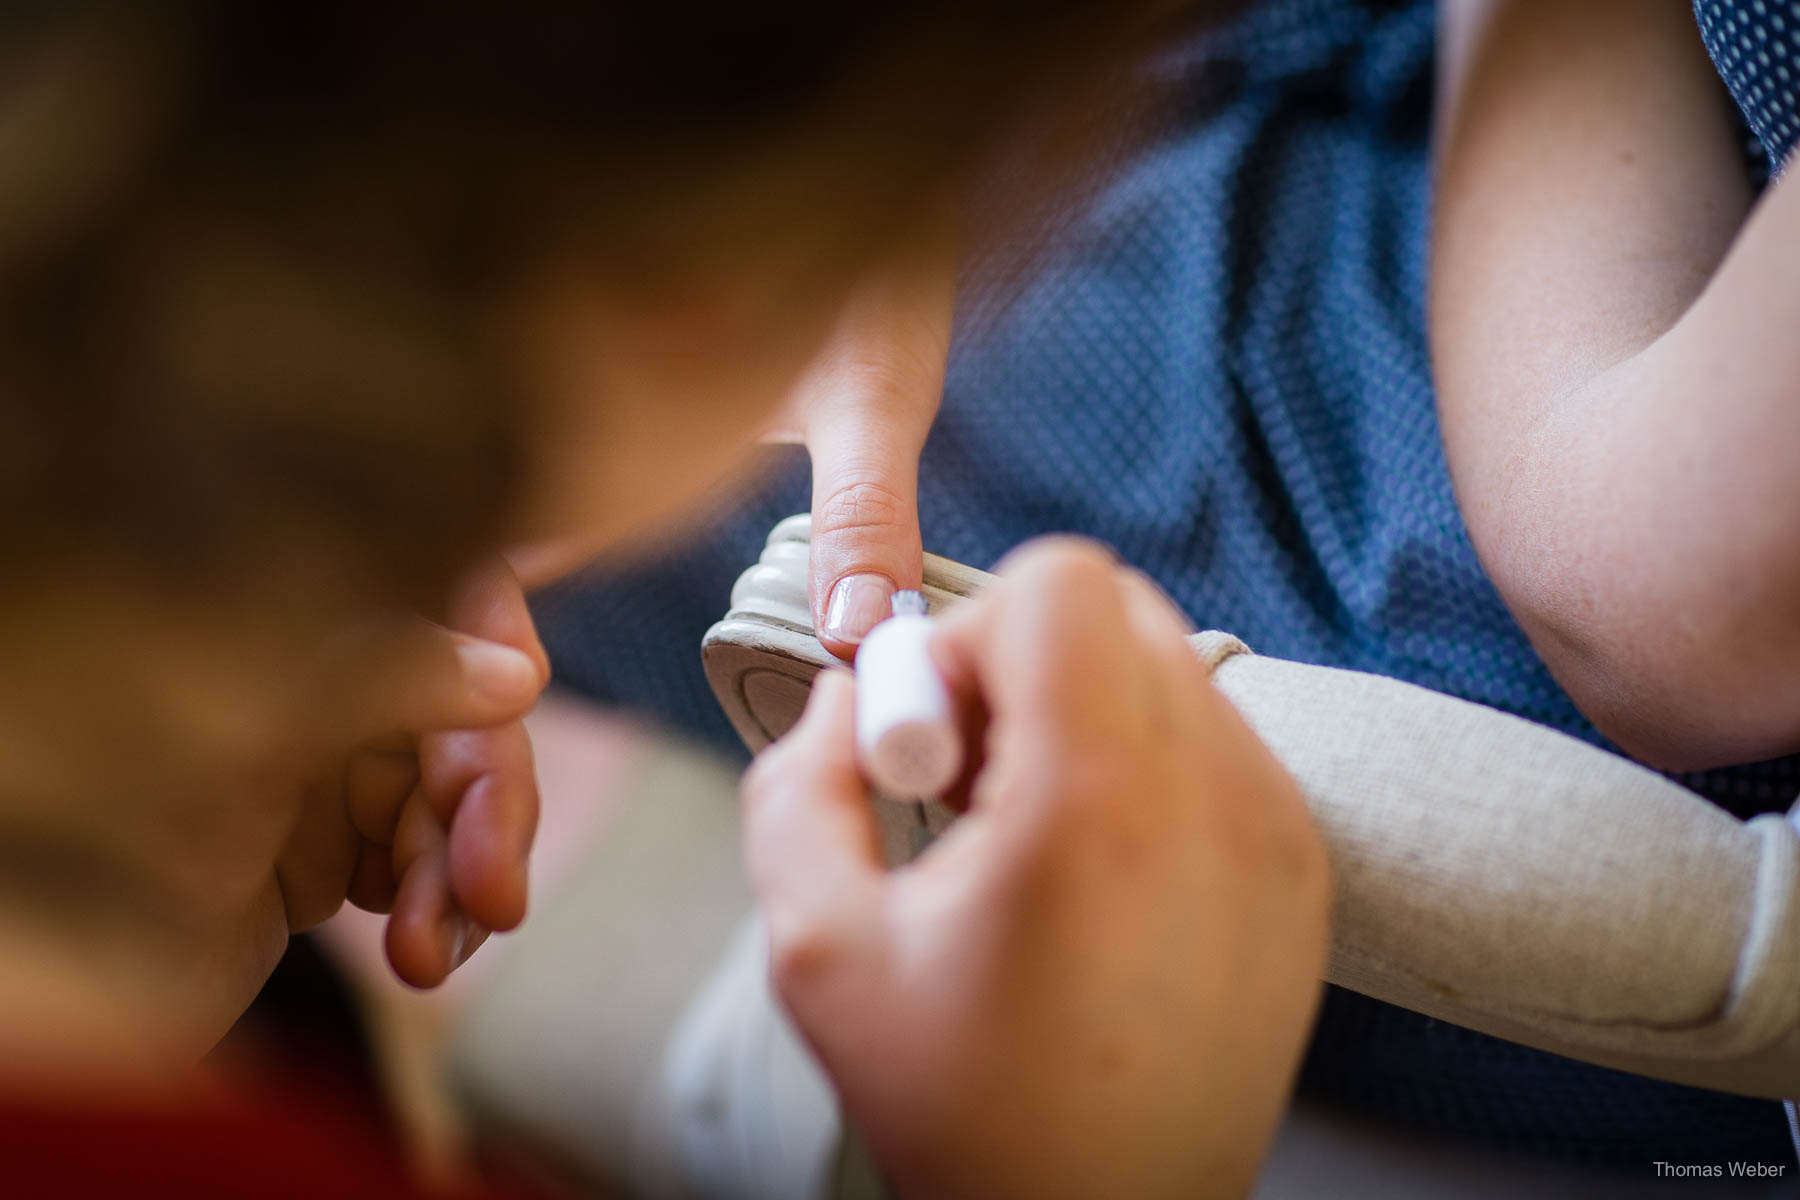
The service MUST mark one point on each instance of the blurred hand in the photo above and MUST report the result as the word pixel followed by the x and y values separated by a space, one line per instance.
pixel 1098 981
pixel 431 817
pixel 864 408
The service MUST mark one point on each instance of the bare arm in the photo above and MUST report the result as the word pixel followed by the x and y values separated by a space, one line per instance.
pixel 1617 351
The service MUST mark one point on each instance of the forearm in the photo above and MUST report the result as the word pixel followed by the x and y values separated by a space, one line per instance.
pixel 1610 394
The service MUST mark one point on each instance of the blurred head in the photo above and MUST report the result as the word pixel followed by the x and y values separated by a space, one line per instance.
pixel 303 305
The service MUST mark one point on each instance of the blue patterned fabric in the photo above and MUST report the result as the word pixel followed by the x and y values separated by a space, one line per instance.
pixel 1222 372
pixel 1756 46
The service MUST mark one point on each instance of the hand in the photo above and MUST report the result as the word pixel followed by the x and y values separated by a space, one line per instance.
pixel 432 816
pixel 864 408
pixel 1098 981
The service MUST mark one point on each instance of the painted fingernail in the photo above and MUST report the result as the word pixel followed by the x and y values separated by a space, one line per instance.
pixel 858 602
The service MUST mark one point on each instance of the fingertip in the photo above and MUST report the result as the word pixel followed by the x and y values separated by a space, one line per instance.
pixel 498 895
pixel 417 947
pixel 1148 602
pixel 505 680
pixel 489 849
pixel 854 606
pixel 490 603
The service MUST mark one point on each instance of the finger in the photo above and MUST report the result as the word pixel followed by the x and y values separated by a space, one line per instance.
pixel 865 409
pixel 1179 681
pixel 491 836
pixel 539 564
pixel 414 675
pixel 482 786
pixel 489 603
pixel 316 862
pixel 1163 629
pixel 1048 651
pixel 376 785
pixel 972 724
pixel 372 883
pixel 427 935
pixel 450 762
pixel 811 845
pixel 1154 609
pixel 865 533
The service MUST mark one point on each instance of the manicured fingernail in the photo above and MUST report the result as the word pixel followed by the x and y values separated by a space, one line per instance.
pixel 498 672
pixel 858 602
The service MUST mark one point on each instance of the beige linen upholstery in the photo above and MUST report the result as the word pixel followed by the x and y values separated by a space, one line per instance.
pixel 1491 872
pixel 1503 876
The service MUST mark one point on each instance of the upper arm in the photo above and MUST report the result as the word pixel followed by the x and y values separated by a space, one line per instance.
pixel 1587 184
pixel 1615 350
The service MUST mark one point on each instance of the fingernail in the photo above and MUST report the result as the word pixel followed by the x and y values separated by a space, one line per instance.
pixel 498 672
pixel 858 602
pixel 456 940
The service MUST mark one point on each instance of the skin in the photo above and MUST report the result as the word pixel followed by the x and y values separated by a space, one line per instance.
pixel 397 775
pixel 863 409
pixel 1612 326
pixel 194 890
pixel 1052 983
pixel 1122 941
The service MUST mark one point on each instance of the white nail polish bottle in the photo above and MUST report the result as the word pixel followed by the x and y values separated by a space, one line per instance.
pixel 906 731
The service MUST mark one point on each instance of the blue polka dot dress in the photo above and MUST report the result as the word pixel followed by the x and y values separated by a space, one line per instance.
pixel 1221 370
pixel 1756 46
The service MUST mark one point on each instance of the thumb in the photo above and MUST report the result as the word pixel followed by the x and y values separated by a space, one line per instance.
pixel 809 834
pixel 417 676
pixel 489 602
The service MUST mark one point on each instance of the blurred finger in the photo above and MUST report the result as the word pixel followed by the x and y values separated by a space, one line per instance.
pixel 427 935
pixel 376 785
pixel 451 761
pixel 1048 650
pixel 1164 631
pixel 482 787
pixel 810 839
pixel 1152 608
pixel 490 845
pixel 413 675
pixel 372 883
pixel 489 603
pixel 317 860
pixel 537 564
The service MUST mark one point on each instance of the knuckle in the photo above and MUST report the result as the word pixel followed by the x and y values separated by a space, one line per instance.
pixel 861 506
